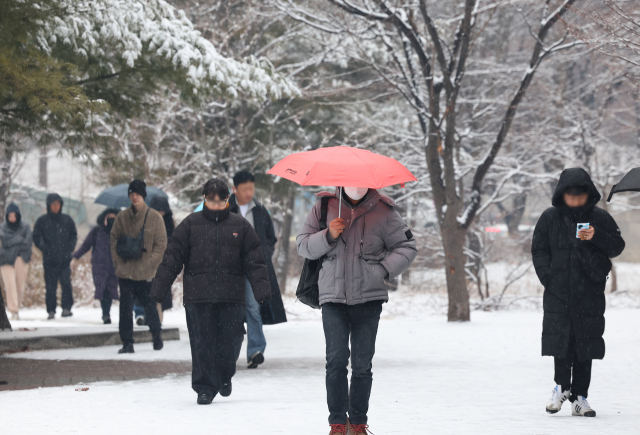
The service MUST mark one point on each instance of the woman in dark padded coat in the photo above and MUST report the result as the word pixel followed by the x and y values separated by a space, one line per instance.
pixel 573 269
pixel 219 250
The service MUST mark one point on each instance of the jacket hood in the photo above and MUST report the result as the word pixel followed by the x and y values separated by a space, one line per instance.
pixel 160 203
pixel 105 212
pixel 370 194
pixel 575 177
pixel 13 208
pixel 51 198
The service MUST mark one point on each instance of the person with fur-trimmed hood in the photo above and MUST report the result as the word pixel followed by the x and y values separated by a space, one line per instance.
pixel 369 245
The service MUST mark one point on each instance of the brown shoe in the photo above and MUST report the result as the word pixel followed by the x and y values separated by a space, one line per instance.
pixel 338 429
pixel 359 429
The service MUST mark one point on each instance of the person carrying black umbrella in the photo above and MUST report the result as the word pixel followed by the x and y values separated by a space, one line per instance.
pixel 138 240
pixel 572 245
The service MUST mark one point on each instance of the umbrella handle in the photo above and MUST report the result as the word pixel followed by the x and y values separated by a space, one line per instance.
pixel 340 202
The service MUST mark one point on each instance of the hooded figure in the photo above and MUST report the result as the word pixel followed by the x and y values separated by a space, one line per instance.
pixel 102 268
pixel 55 235
pixel 15 254
pixel 574 273
pixel 161 205
pixel 15 238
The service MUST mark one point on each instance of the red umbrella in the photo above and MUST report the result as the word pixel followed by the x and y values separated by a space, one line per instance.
pixel 342 166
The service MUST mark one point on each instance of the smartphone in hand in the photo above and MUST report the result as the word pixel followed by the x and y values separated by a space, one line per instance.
pixel 584 226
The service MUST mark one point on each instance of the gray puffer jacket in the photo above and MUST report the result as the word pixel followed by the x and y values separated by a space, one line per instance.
pixel 375 244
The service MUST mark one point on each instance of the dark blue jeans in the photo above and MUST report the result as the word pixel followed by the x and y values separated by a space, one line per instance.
pixel 358 323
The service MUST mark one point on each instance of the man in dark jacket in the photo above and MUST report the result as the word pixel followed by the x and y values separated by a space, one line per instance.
pixel 572 246
pixel 219 250
pixel 244 203
pixel 55 235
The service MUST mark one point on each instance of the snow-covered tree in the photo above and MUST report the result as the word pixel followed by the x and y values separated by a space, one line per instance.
pixel 78 69
pixel 462 82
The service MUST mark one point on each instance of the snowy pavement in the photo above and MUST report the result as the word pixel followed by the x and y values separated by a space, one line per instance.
pixel 430 377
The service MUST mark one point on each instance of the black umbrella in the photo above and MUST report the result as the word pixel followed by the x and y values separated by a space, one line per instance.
pixel 629 183
pixel 118 196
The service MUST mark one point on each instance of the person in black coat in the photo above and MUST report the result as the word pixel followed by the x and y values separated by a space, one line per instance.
pixel 573 267
pixel 244 203
pixel 55 235
pixel 219 250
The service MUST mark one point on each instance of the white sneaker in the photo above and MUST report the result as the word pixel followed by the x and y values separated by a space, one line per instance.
pixel 580 407
pixel 557 399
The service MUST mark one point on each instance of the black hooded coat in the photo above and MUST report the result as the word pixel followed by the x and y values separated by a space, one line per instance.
pixel 55 234
pixel 272 312
pixel 573 271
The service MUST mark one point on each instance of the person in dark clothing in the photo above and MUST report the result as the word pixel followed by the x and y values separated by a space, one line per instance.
pixel 102 268
pixel 219 250
pixel 573 267
pixel 161 205
pixel 55 235
pixel 244 203
pixel 15 253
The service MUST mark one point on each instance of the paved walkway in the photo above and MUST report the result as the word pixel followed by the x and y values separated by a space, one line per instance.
pixel 22 373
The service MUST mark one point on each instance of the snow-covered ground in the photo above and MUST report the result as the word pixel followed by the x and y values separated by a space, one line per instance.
pixel 483 377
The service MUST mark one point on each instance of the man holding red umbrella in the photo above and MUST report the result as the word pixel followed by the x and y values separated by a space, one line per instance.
pixel 368 243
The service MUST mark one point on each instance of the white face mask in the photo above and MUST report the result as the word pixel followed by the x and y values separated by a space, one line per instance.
pixel 356 193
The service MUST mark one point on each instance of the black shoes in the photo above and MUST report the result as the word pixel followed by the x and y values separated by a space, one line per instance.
pixel 66 313
pixel 140 321
pixel 205 398
pixel 255 360
pixel 106 320
pixel 52 315
pixel 127 348
pixel 157 341
pixel 225 389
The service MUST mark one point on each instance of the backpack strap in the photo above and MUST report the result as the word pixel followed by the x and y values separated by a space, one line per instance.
pixel 324 206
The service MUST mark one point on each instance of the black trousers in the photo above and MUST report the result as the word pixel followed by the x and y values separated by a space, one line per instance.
pixel 54 273
pixel 105 303
pixel 140 289
pixel 216 332
pixel 360 324
pixel 581 371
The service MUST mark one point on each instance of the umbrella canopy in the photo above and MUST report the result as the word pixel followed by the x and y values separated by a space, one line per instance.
pixel 118 196
pixel 342 166
pixel 629 183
